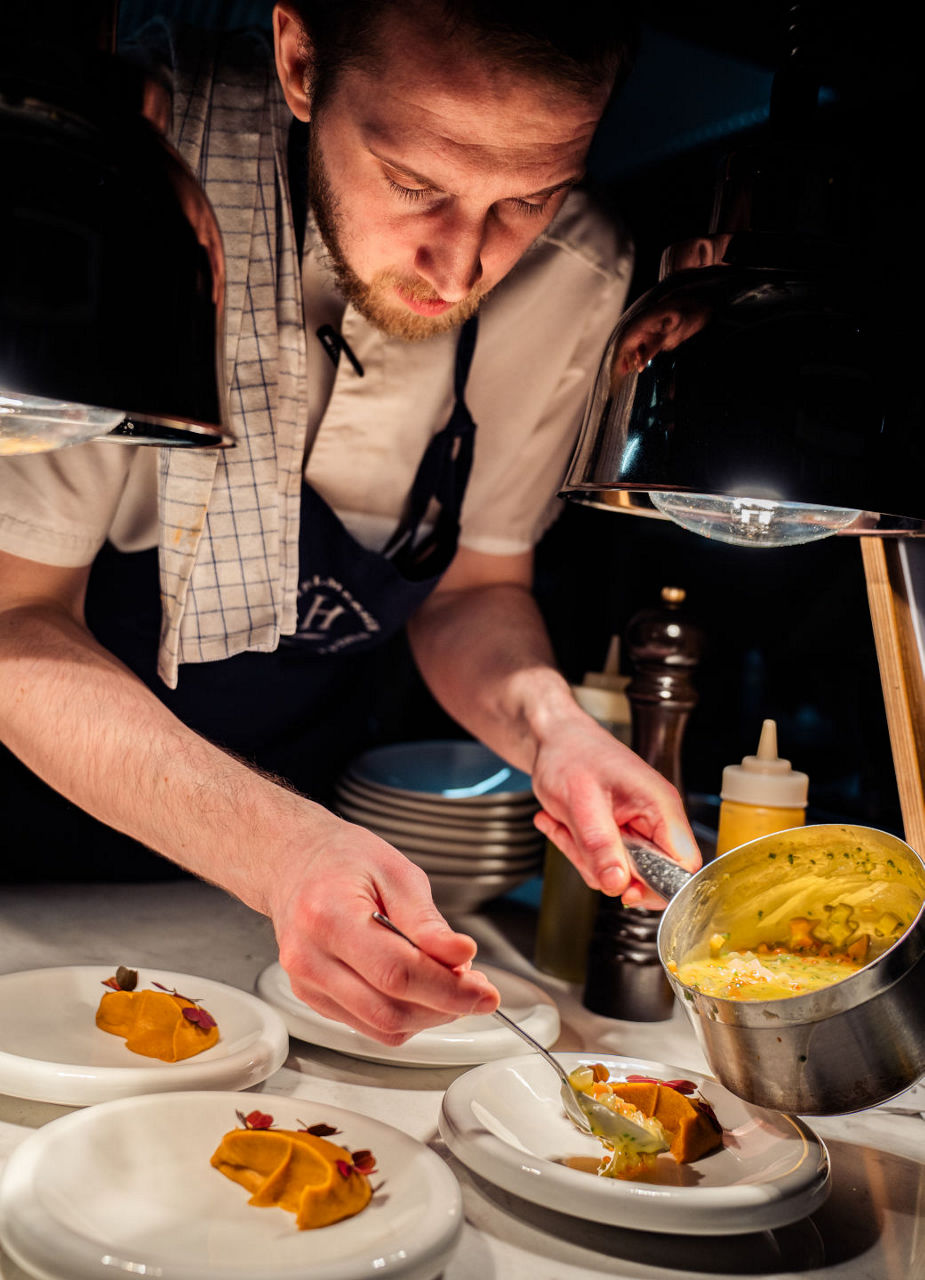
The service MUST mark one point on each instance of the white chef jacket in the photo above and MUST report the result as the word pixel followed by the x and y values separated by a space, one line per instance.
pixel 226 522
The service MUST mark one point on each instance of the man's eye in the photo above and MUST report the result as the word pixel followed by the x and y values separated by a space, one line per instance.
pixel 409 193
pixel 525 206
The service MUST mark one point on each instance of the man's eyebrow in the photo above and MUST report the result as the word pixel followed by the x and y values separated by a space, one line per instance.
pixel 424 181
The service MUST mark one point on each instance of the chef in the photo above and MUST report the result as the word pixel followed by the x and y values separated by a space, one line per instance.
pixel 417 297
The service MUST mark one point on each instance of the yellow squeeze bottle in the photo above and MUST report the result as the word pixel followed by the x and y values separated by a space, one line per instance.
pixel 761 795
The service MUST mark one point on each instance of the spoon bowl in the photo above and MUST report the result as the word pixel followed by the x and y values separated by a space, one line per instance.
pixel 585 1112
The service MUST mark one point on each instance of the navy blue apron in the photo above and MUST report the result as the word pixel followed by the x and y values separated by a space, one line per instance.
pixel 301 711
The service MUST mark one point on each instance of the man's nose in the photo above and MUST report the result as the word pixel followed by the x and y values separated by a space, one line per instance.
pixel 450 259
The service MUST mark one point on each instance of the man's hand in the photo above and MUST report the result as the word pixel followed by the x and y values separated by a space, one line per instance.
pixel 590 785
pixel 345 965
pixel 482 647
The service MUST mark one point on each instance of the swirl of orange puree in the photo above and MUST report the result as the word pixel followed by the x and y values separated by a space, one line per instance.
pixel 311 1177
pixel 154 1024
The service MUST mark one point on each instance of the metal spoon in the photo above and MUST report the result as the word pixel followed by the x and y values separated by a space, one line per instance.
pixel 585 1112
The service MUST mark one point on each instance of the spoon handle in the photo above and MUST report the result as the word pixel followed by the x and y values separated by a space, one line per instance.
pixel 655 868
pixel 534 1044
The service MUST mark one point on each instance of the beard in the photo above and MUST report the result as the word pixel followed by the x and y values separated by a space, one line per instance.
pixel 375 301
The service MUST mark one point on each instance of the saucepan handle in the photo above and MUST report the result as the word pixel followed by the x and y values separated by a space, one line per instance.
pixel 653 867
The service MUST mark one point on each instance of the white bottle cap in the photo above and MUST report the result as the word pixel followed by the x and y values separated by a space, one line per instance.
pixel 610 677
pixel 610 705
pixel 603 695
pixel 765 778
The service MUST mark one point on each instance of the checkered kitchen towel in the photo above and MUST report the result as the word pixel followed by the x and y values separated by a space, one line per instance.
pixel 229 518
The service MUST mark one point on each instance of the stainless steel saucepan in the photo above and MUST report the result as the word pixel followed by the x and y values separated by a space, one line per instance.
pixel 848 1046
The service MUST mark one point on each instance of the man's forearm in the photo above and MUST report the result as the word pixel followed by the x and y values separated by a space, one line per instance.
pixel 485 654
pixel 85 724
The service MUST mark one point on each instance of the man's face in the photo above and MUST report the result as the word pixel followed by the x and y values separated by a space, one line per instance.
pixel 432 174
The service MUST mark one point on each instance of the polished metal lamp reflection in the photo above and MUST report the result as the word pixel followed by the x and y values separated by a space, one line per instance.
pixel 111 264
pixel 755 393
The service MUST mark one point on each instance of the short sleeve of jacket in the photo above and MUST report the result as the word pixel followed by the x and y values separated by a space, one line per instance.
pixel 57 508
pixel 537 355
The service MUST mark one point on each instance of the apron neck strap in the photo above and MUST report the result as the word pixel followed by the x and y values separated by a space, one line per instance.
pixel 297 164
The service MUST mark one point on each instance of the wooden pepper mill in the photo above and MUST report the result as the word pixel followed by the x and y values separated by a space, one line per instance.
pixel 625 977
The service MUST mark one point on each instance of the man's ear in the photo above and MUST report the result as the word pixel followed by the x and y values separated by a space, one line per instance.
pixel 290 41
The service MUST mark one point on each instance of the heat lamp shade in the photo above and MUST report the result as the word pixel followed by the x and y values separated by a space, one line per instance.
pixel 111 275
pixel 745 380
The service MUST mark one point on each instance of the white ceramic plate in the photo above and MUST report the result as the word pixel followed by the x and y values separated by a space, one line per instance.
pixel 53 1051
pixel 459 894
pixel 505 1121
pixel 457 769
pixel 519 809
pixel 455 864
pixel 479 1038
pixel 465 833
pixel 127 1188
pixel 450 848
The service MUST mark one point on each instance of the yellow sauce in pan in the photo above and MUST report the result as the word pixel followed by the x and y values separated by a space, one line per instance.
pixel 743 975
pixel 796 913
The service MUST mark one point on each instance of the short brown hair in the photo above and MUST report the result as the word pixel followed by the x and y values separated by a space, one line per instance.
pixel 580 46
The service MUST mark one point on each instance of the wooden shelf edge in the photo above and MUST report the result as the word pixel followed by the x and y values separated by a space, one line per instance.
pixel 901 677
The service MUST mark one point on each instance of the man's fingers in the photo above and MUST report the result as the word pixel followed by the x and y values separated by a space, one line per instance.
pixel 335 990
pixel 413 975
pixel 427 929
pixel 605 868
pixel 411 909
pixel 679 842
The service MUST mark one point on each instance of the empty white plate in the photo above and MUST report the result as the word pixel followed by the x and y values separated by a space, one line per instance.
pixel 478 1038
pixel 126 1188
pixel 505 1121
pixel 53 1051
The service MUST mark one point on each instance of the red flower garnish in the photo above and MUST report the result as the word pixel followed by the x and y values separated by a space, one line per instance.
pixel 710 1114
pixel 255 1120
pixel 360 1162
pixel 318 1130
pixel 197 1014
pixel 111 982
pixel 199 1017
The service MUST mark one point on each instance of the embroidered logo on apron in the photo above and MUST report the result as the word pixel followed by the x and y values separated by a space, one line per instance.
pixel 330 618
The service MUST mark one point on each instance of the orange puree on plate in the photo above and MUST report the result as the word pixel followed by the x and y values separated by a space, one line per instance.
pixel 686 1124
pixel 154 1024
pixel 315 1179
pixel 691 1132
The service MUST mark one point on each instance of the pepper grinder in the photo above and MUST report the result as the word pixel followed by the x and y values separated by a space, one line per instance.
pixel 625 977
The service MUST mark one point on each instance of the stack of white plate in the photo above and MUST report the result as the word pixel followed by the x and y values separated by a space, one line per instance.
pixel 455 808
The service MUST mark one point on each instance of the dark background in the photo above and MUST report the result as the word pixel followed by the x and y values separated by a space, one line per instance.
pixel 786 632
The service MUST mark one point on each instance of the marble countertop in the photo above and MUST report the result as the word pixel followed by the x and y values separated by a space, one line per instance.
pixel 871 1228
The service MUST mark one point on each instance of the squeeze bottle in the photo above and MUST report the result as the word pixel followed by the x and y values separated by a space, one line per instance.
pixel 761 795
pixel 567 906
